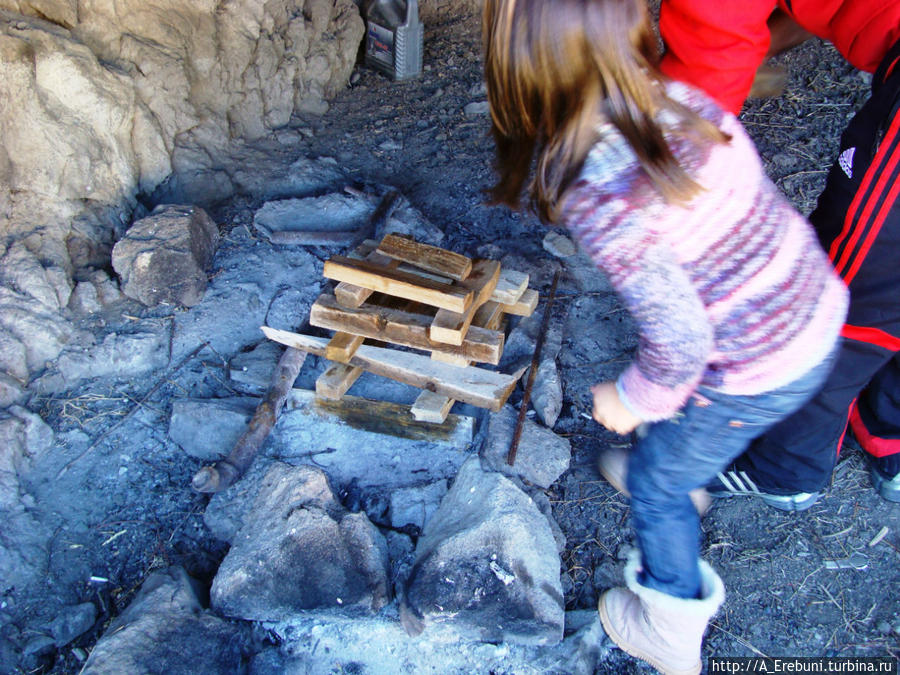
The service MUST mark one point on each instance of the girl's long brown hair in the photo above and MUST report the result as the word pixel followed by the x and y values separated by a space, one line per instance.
pixel 556 68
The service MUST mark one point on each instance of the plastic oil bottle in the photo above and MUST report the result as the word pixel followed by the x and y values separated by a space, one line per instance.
pixel 394 37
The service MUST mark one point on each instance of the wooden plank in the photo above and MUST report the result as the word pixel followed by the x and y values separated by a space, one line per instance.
pixel 351 295
pixel 525 306
pixel 510 287
pixel 431 407
pixel 452 359
pixel 401 327
pixel 455 298
pixel 336 380
pixel 342 346
pixel 429 258
pixel 489 315
pixel 451 326
pixel 477 386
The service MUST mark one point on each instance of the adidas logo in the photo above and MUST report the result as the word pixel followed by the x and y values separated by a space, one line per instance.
pixel 846 161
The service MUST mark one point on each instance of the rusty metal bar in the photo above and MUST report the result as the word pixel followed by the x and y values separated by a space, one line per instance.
pixel 532 372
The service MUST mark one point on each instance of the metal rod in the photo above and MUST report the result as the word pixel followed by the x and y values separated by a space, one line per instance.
pixel 535 361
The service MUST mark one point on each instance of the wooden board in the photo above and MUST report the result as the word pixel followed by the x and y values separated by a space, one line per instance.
pixel 342 346
pixel 455 297
pixel 489 315
pixel 525 306
pixel 351 295
pixel 450 326
pixel 477 386
pixel 510 287
pixel 336 380
pixel 431 407
pixel 402 327
pixel 429 258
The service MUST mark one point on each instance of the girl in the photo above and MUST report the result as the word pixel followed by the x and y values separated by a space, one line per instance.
pixel 736 304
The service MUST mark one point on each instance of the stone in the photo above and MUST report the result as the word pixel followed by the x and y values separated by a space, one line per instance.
pixel 253 369
pixel 415 504
pixel 38 652
pixel 72 622
pixel 541 458
pixel 119 356
pixel 163 258
pixel 42 332
pixel 21 270
pixel 208 430
pixel 408 221
pixel 165 629
pixel 13 357
pixel 12 392
pixel 487 564
pixel 559 245
pixel 25 439
pixel 32 294
pixel 299 549
pixel 477 108
pixel 85 298
pixel 546 392
pixel 334 213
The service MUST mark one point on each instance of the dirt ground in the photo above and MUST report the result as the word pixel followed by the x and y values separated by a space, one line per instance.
pixel 418 137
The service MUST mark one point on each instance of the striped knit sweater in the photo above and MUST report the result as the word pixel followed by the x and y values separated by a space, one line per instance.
pixel 731 291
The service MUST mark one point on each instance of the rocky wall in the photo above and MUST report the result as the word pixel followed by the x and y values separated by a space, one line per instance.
pixel 100 101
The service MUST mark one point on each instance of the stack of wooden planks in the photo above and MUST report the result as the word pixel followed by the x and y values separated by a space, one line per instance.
pixel 400 292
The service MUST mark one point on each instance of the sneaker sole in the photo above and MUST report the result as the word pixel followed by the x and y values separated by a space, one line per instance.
pixel 886 489
pixel 739 484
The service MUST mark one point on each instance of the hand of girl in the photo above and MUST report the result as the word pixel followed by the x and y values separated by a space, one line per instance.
pixel 610 411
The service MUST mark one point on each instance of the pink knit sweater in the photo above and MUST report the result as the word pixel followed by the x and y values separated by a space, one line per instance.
pixel 731 291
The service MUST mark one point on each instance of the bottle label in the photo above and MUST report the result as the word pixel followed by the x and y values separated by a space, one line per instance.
pixel 380 44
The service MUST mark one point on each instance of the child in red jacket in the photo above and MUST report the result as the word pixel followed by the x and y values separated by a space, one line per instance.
pixel 718 45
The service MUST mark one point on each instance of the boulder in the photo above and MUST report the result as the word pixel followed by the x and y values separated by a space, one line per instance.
pixel 165 629
pixel 487 563
pixel 299 549
pixel 163 258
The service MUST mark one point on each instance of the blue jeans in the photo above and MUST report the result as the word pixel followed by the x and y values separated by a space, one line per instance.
pixel 686 452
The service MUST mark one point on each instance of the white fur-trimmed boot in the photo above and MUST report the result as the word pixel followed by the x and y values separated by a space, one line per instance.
pixel 662 630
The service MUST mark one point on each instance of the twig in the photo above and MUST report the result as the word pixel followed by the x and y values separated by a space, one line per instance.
pixel 138 405
pixel 739 639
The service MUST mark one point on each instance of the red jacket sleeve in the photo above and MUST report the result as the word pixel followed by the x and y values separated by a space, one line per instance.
pixel 715 45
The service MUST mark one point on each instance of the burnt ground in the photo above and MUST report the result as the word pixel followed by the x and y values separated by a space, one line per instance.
pixel 134 510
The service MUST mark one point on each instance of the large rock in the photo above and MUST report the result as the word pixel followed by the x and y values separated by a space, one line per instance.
pixel 488 564
pixel 164 257
pixel 299 550
pixel 166 630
